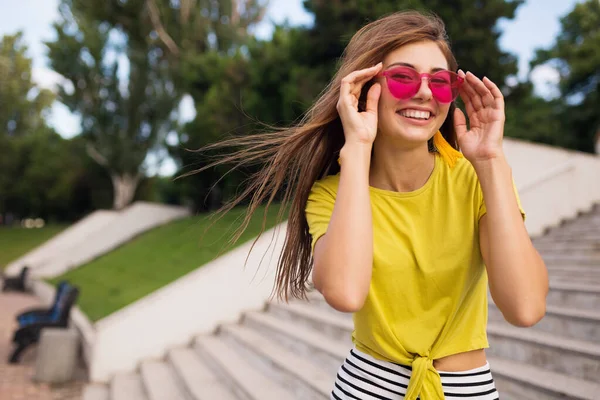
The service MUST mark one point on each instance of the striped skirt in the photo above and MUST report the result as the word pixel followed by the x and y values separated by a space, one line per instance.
pixel 363 377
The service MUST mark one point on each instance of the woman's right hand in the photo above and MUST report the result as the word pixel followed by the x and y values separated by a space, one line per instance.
pixel 359 127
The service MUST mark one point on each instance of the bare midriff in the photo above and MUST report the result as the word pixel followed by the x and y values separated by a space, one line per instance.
pixel 461 361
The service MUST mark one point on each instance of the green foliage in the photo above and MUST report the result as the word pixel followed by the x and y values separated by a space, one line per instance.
pixel 576 55
pixel 124 115
pixel 157 258
pixel 23 103
pixel 471 26
pixel 535 119
pixel 43 175
pixel 38 168
pixel 16 242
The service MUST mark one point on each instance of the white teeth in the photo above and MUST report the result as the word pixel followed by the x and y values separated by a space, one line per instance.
pixel 415 114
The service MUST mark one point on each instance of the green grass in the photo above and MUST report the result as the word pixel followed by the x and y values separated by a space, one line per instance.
pixel 155 259
pixel 15 242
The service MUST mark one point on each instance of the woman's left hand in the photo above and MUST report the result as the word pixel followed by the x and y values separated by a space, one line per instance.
pixel 484 103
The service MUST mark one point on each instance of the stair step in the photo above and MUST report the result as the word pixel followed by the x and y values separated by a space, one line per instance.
pixel 577 358
pixel 305 379
pixel 574 278
pixel 161 382
pixel 564 321
pixel 534 383
pixel 316 299
pixel 559 279
pixel 246 382
pixel 583 263
pixel 336 327
pixel 323 351
pixel 127 386
pixel 577 295
pixel 575 269
pixel 200 381
pixel 95 392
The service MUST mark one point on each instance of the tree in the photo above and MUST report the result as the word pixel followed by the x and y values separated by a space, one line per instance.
pixel 126 109
pixel 471 25
pixel 21 121
pixel 576 57
pixel 211 49
pixel 23 103
pixel 159 39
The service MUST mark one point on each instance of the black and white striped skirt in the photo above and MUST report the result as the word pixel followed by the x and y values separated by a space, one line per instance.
pixel 363 377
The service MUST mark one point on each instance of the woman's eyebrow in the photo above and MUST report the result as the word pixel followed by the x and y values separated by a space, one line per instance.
pixel 413 67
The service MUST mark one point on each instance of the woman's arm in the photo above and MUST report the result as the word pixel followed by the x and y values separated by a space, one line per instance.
pixel 517 274
pixel 343 257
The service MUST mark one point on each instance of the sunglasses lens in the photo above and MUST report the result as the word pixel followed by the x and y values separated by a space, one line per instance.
pixel 444 86
pixel 403 83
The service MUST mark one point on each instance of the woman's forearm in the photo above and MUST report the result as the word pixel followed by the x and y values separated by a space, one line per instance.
pixel 517 274
pixel 344 255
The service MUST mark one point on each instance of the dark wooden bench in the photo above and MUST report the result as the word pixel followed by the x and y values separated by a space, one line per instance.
pixel 17 283
pixel 33 321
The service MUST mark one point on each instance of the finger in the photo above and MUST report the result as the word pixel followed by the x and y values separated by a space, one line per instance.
pixel 482 91
pixel 353 82
pixel 373 98
pixel 472 94
pixel 464 95
pixel 471 113
pixel 460 123
pixel 493 89
pixel 356 76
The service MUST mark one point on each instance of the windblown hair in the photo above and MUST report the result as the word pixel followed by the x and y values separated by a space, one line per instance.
pixel 295 157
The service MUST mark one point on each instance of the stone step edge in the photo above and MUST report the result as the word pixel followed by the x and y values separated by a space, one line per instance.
pixel 257 380
pixel 310 374
pixel 299 333
pixel 544 339
pixel 537 377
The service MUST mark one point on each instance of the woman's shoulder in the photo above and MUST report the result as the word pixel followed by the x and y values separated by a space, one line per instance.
pixel 329 184
pixel 462 172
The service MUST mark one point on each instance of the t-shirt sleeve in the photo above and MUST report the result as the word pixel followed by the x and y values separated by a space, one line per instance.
pixel 319 208
pixel 483 208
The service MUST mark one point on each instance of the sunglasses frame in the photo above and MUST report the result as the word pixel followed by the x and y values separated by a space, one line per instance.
pixel 456 82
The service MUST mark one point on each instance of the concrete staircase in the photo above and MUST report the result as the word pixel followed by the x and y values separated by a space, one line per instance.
pixel 293 351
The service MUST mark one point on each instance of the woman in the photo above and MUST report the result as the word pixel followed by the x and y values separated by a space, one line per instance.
pixel 398 227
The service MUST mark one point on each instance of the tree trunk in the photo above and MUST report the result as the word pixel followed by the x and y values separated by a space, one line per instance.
pixel 124 187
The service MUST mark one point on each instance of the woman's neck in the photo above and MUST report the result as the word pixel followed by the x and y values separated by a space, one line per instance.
pixel 400 170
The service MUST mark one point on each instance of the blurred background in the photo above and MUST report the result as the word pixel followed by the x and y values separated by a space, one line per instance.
pixel 102 104
pixel 100 100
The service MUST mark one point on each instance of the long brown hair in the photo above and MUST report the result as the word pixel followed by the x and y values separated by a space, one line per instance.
pixel 295 157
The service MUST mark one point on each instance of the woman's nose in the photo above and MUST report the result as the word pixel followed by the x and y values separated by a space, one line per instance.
pixel 424 92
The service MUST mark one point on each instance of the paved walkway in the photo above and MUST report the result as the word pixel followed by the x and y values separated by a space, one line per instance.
pixel 16 381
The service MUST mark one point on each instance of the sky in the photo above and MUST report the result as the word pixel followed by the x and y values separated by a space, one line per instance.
pixel 536 25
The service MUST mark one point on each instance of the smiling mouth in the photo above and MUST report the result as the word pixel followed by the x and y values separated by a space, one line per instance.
pixel 416 114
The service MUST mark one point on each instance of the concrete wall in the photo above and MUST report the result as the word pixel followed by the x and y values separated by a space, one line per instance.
pixel 196 303
pixel 554 184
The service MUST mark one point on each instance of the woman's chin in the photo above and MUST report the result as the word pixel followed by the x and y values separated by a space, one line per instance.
pixel 420 134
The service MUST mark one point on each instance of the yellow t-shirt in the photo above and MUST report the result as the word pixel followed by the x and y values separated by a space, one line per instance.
pixel 428 292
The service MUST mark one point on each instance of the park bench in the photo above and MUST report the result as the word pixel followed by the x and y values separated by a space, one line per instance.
pixel 32 322
pixel 16 283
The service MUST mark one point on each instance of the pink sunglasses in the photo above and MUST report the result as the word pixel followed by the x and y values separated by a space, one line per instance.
pixel 404 83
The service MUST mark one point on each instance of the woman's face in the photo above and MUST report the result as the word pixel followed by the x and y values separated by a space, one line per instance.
pixel 418 118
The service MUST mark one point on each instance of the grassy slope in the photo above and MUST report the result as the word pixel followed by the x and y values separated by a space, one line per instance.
pixel 15 242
